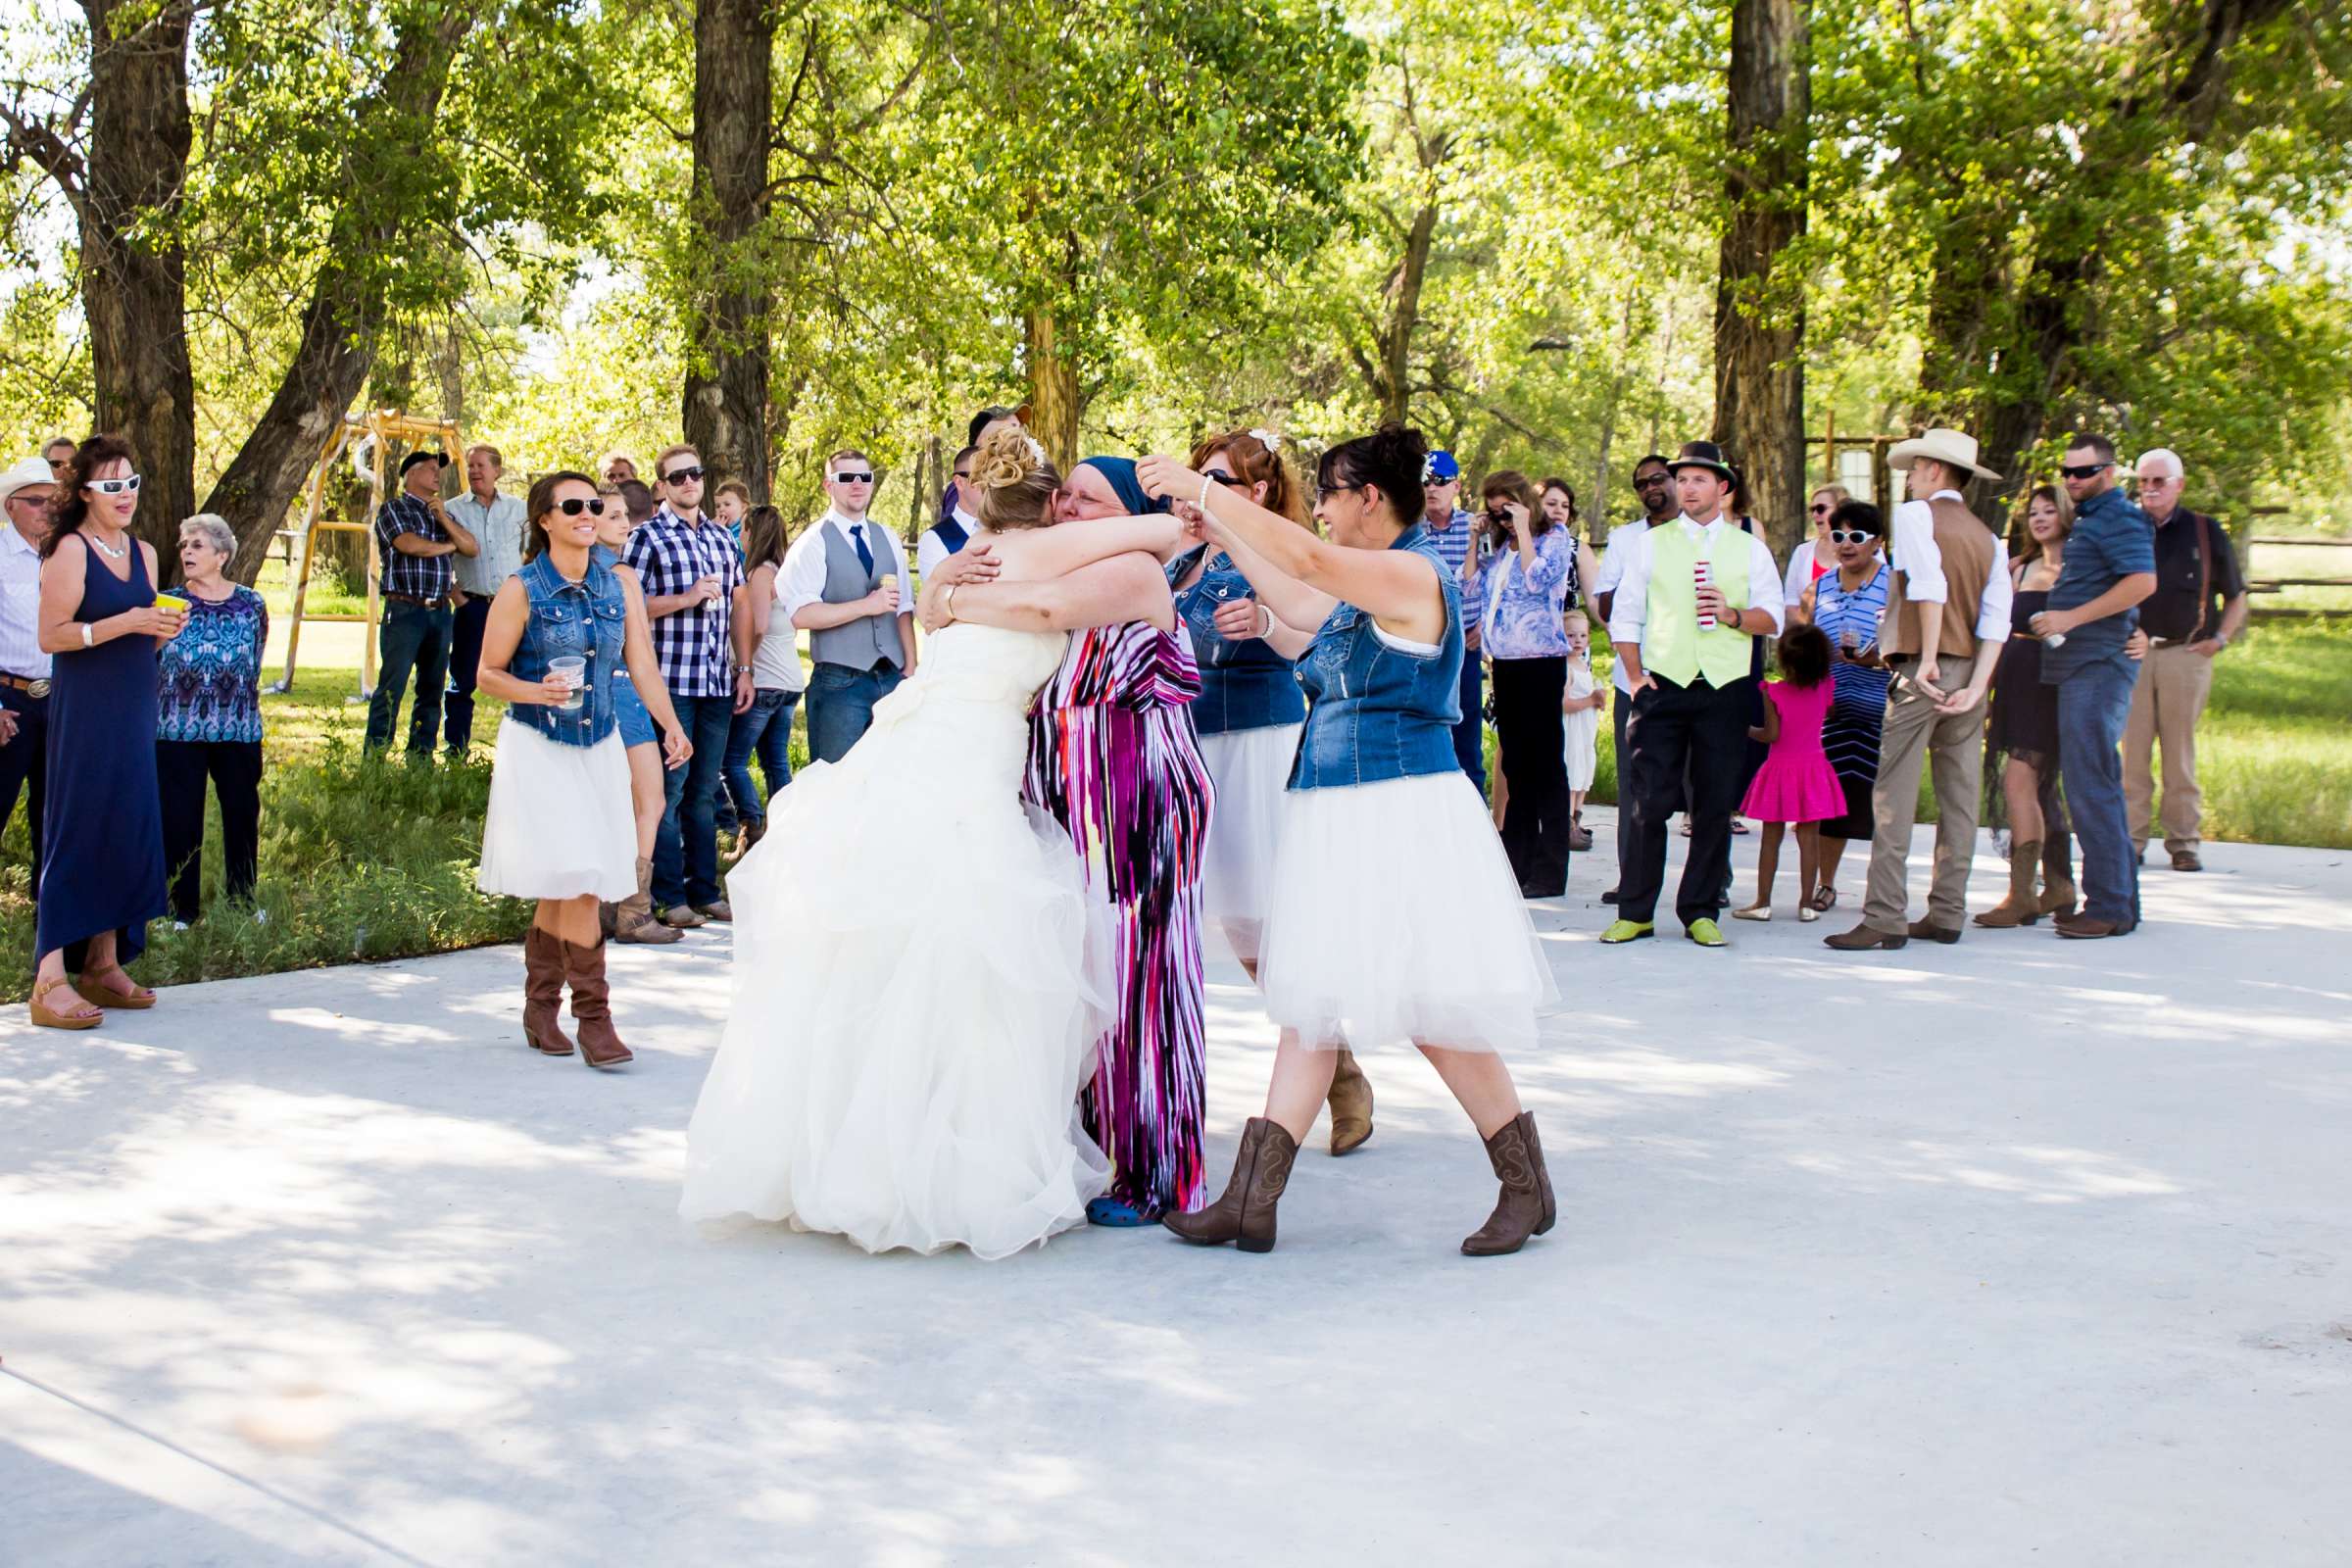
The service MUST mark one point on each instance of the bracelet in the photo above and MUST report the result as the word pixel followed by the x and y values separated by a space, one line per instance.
pixel 946 601
pixel 1202 506
pixel 89 629
pixel 1266 625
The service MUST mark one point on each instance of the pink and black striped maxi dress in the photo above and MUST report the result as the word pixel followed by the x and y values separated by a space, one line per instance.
pixel 1114 759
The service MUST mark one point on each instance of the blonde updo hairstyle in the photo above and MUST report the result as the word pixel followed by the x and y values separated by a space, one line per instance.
pixel 1015 483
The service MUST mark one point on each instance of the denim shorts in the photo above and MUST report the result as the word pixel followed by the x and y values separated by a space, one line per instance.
pixel 636 725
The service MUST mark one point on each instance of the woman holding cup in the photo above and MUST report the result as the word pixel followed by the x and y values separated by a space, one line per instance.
pixel 561 828
pixel 102 841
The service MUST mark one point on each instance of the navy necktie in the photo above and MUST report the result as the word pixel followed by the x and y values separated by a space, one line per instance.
pixel 866 557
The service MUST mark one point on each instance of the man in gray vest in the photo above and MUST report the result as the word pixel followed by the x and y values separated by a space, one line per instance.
pixel 842 583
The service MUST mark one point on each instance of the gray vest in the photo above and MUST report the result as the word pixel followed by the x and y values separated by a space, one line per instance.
pixel 869 640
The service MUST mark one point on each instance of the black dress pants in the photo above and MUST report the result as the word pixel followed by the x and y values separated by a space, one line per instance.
pixel 24 767
pixel 235 770
pixel 1527 725
pixel 1697 733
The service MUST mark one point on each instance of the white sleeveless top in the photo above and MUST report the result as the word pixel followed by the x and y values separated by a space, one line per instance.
pixel 776 662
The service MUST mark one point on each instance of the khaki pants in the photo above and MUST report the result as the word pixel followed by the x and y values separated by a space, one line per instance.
pixel 2166 705
pixel 1913 728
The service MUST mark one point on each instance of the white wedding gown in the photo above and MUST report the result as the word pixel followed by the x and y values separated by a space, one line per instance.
pixel 917 986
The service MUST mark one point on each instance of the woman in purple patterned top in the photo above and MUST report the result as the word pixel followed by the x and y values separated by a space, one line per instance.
pixel 1523 604
pixel 208 720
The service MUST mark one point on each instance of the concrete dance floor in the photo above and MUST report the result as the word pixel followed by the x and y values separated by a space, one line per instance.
pixel 2023 1250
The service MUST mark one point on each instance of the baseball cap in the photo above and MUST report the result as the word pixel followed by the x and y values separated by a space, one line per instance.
pixel 421 455
pixel 1440 467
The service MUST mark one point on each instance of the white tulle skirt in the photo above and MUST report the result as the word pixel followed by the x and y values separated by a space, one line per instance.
pixel 559 823
pixel 1251 769
pixel 1395 916
pixel 918 993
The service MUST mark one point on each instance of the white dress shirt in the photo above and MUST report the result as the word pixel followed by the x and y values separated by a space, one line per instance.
pixel 1613 572
pixel 1629 610
pixel 802 582
pixel 21 610
pixel 1920 559
pixel 931 549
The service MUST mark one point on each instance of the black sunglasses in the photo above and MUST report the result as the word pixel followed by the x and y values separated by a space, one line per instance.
pixel 681 475
pixel 846 477
pixel 2085 470
pixel 573 507
pixel 1850 536
pixel 1823 512
pixel 1324 492
pixel 1231 481
pixel 1643 481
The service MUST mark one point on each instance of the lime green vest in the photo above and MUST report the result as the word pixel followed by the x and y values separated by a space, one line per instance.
pixel 1672 643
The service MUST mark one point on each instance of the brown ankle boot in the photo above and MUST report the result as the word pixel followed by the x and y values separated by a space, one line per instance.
pixel 2058 897
pixel 543 993
pixel 599 1047
pixel 633 916
pixel 2018 907
pixel 1525 1208
pixel 1244 1214
pixel 1351 1106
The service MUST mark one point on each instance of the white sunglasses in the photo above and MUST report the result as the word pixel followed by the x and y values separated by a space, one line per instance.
pixel 127 485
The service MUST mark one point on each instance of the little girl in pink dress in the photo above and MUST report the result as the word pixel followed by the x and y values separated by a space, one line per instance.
pixel 1797 783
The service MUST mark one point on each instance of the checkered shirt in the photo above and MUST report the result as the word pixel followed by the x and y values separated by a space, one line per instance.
pixel 425 577
pixel 671 557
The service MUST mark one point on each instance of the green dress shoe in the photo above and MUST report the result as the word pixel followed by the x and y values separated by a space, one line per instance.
pixel 1706 933
pixel 1629 930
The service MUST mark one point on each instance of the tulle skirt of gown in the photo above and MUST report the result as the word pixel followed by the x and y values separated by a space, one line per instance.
pixel 918 984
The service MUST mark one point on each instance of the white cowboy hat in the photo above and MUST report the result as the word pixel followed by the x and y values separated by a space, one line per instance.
pixel 1945 446
pixel 27 471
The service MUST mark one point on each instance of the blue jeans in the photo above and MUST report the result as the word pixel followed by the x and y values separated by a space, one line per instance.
pixel 1470 735
pixel 841 707
pixel 2093 703
pixel 415 638
pixel 467 624
pixel 765 727
pixel 686 846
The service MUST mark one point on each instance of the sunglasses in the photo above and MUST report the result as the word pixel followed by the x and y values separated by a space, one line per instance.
pixel 1651 482
pixel 1850 536
pixel 58 464
pixel 1231 481
pixel 1325 492
pixel 863 478
pixel 575 505
pixel 2085 470
pixel 128 485
pixel 1823 512
pixel 963 474
pixel 682 476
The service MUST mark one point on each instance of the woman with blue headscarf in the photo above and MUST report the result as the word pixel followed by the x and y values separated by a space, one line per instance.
pixel 1114 759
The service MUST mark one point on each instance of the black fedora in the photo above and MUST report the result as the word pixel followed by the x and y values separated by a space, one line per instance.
pixel 1703 455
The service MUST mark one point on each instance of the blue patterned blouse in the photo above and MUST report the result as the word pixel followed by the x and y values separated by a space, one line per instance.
pixel 1522 606
pixel 211 674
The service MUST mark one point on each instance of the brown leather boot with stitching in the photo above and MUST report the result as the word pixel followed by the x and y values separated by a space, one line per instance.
pixel 2018 907
pixel 1244 1214
pixel 1526 1207
pixel 633 916
pixel 2059 898
pixel 543 993
pixel 591 1008
pixel 1351 1106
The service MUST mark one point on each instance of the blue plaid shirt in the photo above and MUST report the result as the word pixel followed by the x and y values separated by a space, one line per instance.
pixel 670 557
pixel 425 577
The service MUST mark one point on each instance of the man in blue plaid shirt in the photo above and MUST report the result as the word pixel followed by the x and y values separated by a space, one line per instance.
pixel 415 537
pixel 690 569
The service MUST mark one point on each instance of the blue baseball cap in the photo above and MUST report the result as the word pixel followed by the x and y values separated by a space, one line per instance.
pixel 1440 467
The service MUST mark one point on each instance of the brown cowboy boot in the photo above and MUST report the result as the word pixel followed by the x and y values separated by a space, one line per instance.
pixel 543 992
pixel 2018 907
pixel 599 1047
pixel 633 916
pixel 1244 1214
pixel 1526 1207
pixel 2059 898
pixel 1351 1106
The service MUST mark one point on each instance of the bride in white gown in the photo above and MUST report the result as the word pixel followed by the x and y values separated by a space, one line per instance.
pixel 916 996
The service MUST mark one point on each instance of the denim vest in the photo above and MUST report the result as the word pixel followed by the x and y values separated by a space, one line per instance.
pixel 1376 713
pixel 589 618
pixel 1246 684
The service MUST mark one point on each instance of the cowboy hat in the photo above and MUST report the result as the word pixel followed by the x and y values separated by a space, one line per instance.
pixel 27 472
pixel 1942 445
pixel 1703 455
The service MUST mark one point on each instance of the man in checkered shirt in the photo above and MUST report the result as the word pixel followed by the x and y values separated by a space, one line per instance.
pixel 690 569
pixel 416 538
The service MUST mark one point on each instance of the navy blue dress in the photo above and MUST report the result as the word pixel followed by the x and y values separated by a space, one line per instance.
pixel 102 845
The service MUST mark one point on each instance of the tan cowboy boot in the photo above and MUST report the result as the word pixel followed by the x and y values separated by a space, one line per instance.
pixel 1526 1207
pixel 543 992
pixel 599 1047
pixel 1244 1214
pixel 1351 1106
pixel 2058 897
pixel 633 916
pixel 2018 907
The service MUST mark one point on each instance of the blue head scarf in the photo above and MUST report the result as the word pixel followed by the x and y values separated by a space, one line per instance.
pixel 1120 472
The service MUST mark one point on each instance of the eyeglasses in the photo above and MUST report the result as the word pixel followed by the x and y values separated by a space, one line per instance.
pixel 682 476
pixel 128 485
pixel 1325 492
pixel 1850 536
pixel 575 505
pixel 2085 470
pixel 867 478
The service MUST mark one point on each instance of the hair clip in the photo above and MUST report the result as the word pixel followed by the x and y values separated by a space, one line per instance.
pixel 1267 439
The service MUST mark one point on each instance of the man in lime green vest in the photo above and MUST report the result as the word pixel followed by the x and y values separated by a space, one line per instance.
pixel 1695 592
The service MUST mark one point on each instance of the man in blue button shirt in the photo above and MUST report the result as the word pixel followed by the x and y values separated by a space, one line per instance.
pixel 2110 567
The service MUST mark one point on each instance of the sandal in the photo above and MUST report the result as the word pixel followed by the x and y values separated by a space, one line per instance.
pixel 1824 898
pixel 1738 826
pixel 45 1018
pixel 138 998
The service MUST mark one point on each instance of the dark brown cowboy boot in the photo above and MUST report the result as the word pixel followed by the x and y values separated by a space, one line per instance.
pixel 1244 1214
pixel 543 993
pixel 599 1047
pixel 1351 1106
pixel 1525 1208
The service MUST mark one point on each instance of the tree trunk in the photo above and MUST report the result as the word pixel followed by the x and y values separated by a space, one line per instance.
pixel 1053 390
pixel 346 309
pixel 1759 319
pixel 1393 387
pixel 133 268
pixel 726 403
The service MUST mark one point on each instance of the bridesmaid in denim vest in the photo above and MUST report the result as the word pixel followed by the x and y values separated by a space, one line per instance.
pixel 561 828
pixel 1395 913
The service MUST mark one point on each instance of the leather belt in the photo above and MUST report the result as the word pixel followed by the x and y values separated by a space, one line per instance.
pixel 411 599
pixel 26 684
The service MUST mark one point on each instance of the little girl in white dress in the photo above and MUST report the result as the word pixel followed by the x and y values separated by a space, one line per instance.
pixel 1579 714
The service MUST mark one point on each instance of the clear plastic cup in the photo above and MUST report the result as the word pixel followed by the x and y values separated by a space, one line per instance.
pixel 572 669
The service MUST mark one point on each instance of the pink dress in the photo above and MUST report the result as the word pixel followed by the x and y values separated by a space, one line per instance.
pixel 1797 783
